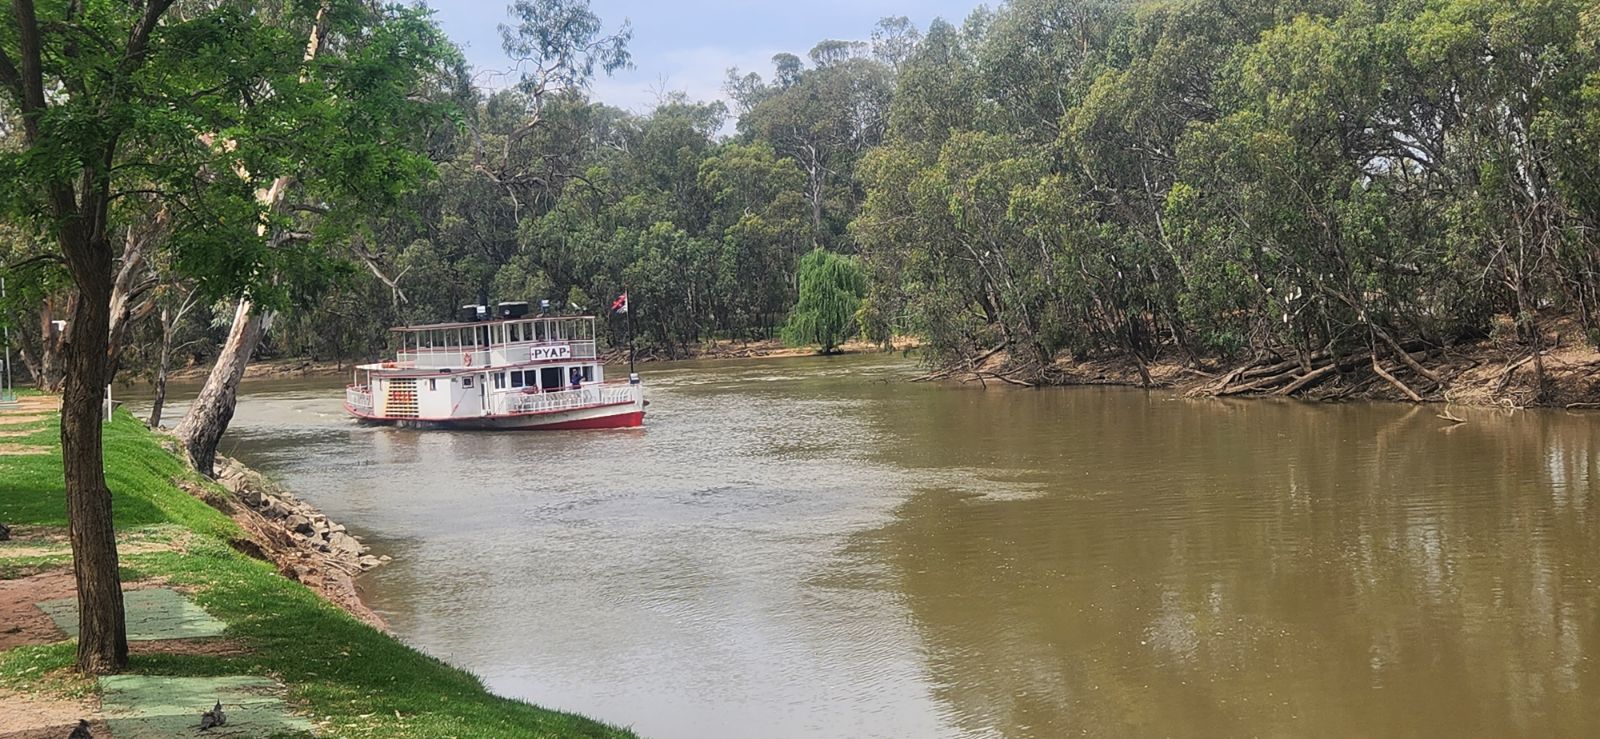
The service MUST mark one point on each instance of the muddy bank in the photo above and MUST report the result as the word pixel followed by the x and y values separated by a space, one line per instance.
pixel 1565 375
pixel 758 349
pixel 272 368
pixel 294 536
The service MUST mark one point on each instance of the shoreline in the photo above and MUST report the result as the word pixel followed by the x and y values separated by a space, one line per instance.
pixel 297 538
pixel 1476 375
pixel 297 367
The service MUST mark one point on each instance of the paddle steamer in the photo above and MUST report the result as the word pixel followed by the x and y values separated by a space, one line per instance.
pixel 508 370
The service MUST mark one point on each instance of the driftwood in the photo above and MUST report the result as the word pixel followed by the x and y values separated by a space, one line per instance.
pixel 1395 381
pixel 972 365
pixel 1308 379
pixel 1005 379
pixel 1510 371
pixel 1277 375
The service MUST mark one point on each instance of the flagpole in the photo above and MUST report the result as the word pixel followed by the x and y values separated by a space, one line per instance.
pixel 628 306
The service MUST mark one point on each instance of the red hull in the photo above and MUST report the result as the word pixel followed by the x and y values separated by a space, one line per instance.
pixel 619 421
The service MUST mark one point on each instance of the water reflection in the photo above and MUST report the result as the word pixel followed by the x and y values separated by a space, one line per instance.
pixel 1252 568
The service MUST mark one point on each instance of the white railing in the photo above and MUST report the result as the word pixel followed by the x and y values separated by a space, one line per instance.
pixel 497 355
pixel 359 399
pixel 516 401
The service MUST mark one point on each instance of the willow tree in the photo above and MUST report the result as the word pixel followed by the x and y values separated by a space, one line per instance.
pixel 831 288
pixel 122 104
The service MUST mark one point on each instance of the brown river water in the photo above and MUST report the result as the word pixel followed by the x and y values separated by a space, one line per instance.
pixel 813 548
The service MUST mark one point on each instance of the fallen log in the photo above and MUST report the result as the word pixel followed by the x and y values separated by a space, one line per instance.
pixel 1308 379
pixel 1003 378
pixel 1395 381
pixel 1260 384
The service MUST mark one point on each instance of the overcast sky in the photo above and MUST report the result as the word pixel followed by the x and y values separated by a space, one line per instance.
pixel 688 46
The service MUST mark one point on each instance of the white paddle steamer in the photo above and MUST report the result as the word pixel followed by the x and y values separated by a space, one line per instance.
pixel 506 371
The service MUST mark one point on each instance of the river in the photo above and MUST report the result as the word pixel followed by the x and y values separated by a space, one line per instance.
pixel 812 548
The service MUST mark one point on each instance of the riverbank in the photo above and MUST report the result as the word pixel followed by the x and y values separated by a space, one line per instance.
pixel 1488 373
pixel 729 349
pixel 249 556
pixel 269 369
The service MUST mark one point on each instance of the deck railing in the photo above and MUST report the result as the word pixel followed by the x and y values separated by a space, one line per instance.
pixel 497 355
pixel 359 398
pixel 516 401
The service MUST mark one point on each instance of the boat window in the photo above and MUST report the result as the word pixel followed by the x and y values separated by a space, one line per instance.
pixel 516 379
pixel 499 380
pixel 433 384
pixel 550 378
pixel 588 373
pixel 466 382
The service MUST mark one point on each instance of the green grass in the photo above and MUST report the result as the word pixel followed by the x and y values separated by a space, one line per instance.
pixel 352 679
pixel 139 471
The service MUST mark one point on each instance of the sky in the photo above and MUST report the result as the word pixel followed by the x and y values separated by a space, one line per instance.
pixel 688 46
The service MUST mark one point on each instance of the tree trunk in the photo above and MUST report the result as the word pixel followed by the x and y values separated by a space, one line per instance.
pixel 160 401
pixel 51 375
pixel 102 631
pixel 208 417
pixel 202 428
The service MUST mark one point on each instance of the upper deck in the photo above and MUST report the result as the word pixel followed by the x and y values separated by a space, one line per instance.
pixel 495 343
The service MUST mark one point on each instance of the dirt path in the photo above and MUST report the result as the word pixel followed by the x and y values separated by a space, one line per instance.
pixel 35 716
pixel 21 622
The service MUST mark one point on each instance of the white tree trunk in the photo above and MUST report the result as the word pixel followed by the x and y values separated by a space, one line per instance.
pixel 208 417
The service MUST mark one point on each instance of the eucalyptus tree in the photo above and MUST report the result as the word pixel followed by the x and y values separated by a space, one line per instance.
pixel 556 46
pixel 122 103
pixel 351 131
pixel 824 118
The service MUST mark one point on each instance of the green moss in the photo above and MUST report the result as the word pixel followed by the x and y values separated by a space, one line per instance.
pixel 354 680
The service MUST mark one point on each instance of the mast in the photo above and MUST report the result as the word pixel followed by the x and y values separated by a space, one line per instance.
pixel 627 305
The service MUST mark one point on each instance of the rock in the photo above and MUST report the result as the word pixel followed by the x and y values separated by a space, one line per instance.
pixel 337 528
pixel 232 484
pixel 368 561
pixel 344 543
pixel 385 558
pixel 250 496
pixel 5 532
pixel 298 523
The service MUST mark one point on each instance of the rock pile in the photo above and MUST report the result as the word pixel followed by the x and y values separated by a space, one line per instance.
pixel 304 524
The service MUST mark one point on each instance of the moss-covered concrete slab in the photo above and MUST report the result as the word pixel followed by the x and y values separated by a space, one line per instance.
pixel 153 614
pixel 148 707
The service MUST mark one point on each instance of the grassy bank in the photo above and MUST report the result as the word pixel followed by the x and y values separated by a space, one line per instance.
pixel 351 679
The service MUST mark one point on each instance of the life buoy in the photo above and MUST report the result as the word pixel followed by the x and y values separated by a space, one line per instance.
pixel 466 358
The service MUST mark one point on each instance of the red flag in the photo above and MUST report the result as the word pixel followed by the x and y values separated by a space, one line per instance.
pixel 621 304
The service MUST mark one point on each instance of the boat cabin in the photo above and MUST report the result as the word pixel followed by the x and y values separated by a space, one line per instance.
pixel 499 372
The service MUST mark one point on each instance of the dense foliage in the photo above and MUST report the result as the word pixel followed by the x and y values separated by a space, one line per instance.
pixel 1181 177
pixel 1232 177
